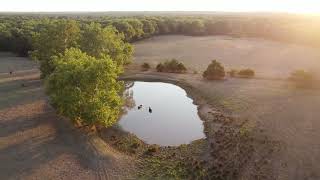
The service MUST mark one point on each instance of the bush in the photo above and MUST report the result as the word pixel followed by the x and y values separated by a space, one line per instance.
pixel 84 89
pixel 145 66
pixel 302 78
pixel 233 73
pixel 171 66
pixel 214 71
pixel 160 67
pixel 246 73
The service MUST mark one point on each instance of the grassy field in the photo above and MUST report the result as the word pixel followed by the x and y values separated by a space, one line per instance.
pixel 274 108
pixel 34 143
pixel 268 58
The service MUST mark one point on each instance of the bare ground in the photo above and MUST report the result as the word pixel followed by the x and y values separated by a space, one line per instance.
pixel 35 143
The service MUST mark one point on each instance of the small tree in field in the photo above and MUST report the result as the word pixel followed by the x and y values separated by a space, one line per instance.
pixel 145 66
pixel 84 88
pixel 302 79
pixel 246 73
pixel 214 71
pixel 160 67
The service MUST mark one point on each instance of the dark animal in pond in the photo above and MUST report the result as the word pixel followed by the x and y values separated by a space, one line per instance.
pixel 140 106
pixel 11 72
pixel 150 110
pixel 23 85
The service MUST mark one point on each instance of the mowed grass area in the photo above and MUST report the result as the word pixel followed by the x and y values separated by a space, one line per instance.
pixel 268 58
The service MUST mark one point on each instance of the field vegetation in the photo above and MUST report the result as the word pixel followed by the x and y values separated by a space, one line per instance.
pixel 303 79
pixel 145 66
pixel 246 73
pixel 81 59
pixel 214 71
pixel 171 66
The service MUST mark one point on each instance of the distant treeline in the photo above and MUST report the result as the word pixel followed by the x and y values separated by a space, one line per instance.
pixel 16 31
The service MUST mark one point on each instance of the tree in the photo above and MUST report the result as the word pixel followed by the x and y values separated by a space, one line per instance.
pixel 99 42
pixel 302 78
pixel 85 89
pixel 54 38
pixel 5 37
pixel 138 27
pixel 124 27
pixel 246 73
pixel 149 27
pixel 214 71
pixel 172 66
pixel 145 66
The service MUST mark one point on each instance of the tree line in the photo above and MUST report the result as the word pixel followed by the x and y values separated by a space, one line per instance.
pixel 16 31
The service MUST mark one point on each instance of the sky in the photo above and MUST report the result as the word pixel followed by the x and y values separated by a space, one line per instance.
pixel 291 6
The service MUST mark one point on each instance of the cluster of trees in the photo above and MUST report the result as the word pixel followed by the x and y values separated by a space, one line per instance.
pixel 216 71
pixel 80 65
pixel 171 66
pixel 16 32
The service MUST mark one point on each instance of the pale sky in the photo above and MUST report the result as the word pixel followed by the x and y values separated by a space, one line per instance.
pixel 292 6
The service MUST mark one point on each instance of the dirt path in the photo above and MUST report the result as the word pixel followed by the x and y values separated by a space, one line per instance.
pixel 37 144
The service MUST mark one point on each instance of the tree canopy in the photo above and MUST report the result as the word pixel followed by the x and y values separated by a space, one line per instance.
pixel 54 38
pixel 214 71
pixel 98 42
pixel 84 88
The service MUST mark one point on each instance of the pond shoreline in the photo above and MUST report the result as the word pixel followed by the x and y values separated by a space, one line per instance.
pixel 227 140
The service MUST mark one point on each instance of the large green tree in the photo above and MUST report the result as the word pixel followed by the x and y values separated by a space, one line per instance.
pixel 99 42
pixel 84 88
pixel 53 38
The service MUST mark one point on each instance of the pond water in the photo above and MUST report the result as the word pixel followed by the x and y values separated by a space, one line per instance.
pixel 174 118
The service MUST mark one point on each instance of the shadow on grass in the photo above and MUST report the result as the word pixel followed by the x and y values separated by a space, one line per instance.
pixel 42 147
pixel 20 92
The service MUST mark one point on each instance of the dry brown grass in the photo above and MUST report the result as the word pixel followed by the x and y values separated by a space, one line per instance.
pixel 267 58
pixel 35 143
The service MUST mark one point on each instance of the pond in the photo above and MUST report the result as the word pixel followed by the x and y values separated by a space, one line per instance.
pixel 171 120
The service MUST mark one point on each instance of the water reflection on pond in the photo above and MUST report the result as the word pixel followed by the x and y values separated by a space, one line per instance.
pixel 172 118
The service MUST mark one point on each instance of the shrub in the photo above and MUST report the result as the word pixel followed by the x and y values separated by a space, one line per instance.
pixel 152 149
pixel 160 67
pixel 145 66
pixel 246 73
pixel 172 66
pixel 214 71
pixel 302 78
pixel 233 73
pixel 84 89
